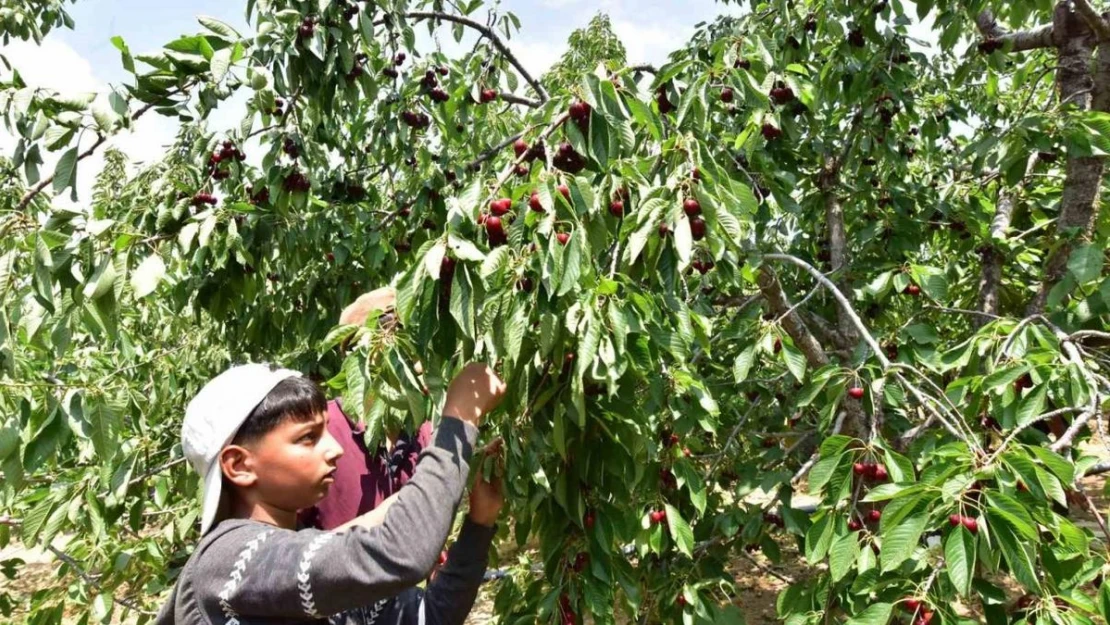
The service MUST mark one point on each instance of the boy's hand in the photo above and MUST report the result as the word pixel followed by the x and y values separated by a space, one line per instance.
pixel 486 498
pixel 474 393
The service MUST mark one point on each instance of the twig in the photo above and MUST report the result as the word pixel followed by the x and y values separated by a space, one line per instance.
pixel 1085 334
pixel 91 581
pixel 493 151
pixel 731 437
pixel 558 121
pixel 766 569
pixel 1040 37
pixel 494 39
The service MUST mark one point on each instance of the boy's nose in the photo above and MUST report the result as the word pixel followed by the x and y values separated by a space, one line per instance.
pixel 332 449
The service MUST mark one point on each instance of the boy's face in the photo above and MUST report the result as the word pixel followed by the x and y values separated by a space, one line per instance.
pixel 293 465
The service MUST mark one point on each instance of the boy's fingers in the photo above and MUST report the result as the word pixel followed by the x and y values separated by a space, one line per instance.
pixel 494 447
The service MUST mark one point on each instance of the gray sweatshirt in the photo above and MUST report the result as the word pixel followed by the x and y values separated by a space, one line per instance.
pixel 245 572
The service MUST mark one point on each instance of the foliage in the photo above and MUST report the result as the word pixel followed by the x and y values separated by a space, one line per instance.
pixel 32 19
pixel 758 272
pixel 588 47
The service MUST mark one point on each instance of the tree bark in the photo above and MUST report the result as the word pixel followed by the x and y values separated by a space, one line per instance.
pixel 991 276
pixel 779 303
pixel 1083 175
pixel 838 243
pixel 1040 37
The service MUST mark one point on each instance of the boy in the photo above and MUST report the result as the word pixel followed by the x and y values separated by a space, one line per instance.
pixel 259 440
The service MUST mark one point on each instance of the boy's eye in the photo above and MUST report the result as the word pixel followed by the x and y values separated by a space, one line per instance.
pixel 307 438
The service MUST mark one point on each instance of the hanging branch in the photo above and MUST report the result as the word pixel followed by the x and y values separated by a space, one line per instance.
pixel 489 33
pixel 100 140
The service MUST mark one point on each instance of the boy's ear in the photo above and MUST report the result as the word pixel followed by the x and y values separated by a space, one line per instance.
pixel 237 465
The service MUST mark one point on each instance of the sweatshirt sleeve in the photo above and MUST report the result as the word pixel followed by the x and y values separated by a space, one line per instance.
pixel 448 599
pixel 314 574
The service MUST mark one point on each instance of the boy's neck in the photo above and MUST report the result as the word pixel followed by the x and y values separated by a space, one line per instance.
pixel 264 513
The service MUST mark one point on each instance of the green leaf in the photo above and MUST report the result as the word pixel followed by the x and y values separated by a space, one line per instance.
pixel 823 471
pixel 900 540
pixel 65 172
pixel 1018 554
pixel 147 275
pixel 354 394
pixel 875 614
pixel 795 361
pixel 959 558
pixel 1032 406
pixel 843 555
pixel 680 531
pixel 572 266
pixel 218 27
pixel 219 64
pixel 819 539
pixel 743 364
pixel 1085 263
pixel 1015 514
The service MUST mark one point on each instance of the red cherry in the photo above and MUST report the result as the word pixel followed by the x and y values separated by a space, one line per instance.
pixel 913 289
pixel 658 516
pixel 331 257
pixel 563 238
pixel 565 190
pixel 911 605
pixel 874 516
pixel 859 468
pixel 697 228
pixel 681 600
pixel 534 202
pixel 500 206
pixel 954 519
pixel 520 146
pixel 691 207
pixel 616 208
pixel 664 230
pixel 447 266
pixel 494 228
pixel 971 524
pixel 589 520
pixel 581 561
pixel 855 392
pixel 726 95
pixel 880 473
pixel 855 525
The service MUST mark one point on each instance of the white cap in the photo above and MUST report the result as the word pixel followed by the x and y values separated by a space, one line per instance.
pixel 213 418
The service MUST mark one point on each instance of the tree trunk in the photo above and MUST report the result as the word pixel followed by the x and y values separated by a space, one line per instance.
pixel 1083 175
pixel 779 303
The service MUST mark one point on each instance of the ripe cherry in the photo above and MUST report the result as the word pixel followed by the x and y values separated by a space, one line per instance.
pixel 534 202
pixel 500 206
pixel 880 473
pixel 691 207
pixel 859 468
pixel 971 524
pixel 954 519
pixel 726 95
pixel 697 228
pixel 854 525
pixel 913 289
pixel 874 516
pixel 563 238
pixel 658 516
pixel 520 146
pixel 911 605
pixel 616 208
pixel 855 392
pixel 565 191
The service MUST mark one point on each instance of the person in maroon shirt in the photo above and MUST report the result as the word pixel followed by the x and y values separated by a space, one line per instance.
pixel 364 478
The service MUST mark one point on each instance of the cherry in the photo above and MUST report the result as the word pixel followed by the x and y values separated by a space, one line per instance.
pixel 658 516
pixel 581 561
pixel 697 228
pixel 854 525
pixel 726 95
pixel 525 284
pixel 589 519
pixel 859 468
pixel 681 600
pixel 500 206
pixel 855 392
pixel 616 208
pixel 880 473
pixel 534 202
pixel 664 230
pixel 691 207
pixel 563 238
pixel 520 146
pixel 911 605
pixel 954 519
pixel 390 72
pixel 487 95
pixel 331 257
pixel 770 132
pixel 565 191
pixel 495 230
pixel 874 516
pixel 971 524
pixel 913 290
pixel 742 64
pixel 447 266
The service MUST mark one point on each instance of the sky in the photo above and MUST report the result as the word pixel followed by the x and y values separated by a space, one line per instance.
pixel 83 59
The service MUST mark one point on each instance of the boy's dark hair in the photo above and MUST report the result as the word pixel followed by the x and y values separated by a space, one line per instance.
pixel 295 398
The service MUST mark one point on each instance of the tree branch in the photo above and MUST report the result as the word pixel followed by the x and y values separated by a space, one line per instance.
pixel 515 99
pixel 100 140
pixel 492 152
pixel 494 39
pixel 1097 23
pixel 91 581
pixel 1041 37
pixel 791 322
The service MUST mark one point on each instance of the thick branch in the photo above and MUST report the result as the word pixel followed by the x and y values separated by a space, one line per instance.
pixel 791 322
pixel 494 39
pixel 1020 41
pixel 515 99
pixel 1096 22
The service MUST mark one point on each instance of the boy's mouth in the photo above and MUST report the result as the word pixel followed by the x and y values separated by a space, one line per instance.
pixel 330 476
